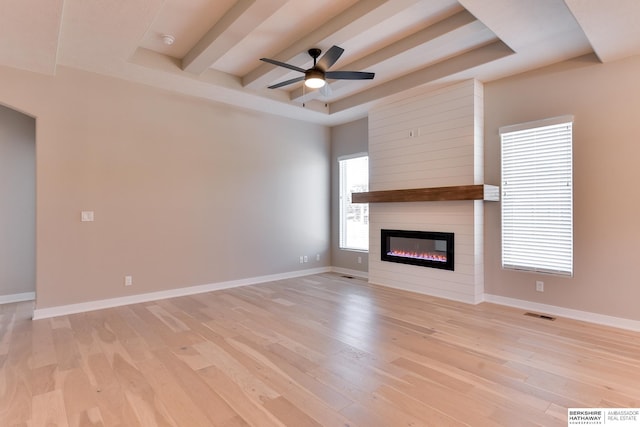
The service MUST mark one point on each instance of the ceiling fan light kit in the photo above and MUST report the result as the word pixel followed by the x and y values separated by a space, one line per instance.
pixel 316 76
pixel 314 79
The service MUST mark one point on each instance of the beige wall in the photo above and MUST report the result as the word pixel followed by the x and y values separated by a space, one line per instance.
pixel 604 100
pixel 185 192
pixel 17 203
pixel 346 139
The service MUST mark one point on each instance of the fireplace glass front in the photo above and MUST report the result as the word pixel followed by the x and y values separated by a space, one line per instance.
pixel 423 248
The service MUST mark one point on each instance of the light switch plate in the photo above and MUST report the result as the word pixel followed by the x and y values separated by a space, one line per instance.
pixel 86 216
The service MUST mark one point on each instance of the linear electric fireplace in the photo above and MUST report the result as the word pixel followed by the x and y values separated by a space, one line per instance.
pixel 423 248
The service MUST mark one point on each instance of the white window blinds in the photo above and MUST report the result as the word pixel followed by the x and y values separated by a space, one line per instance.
pixel 537 196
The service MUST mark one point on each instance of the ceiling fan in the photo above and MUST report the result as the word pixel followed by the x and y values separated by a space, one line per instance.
pixel 315 77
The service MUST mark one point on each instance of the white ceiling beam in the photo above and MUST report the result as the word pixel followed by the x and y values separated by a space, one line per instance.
pixel 240 20
pixel 476 57
pixel 416 39
pixel 345 25
pixel 527 24
pixel 215 85
pixel 618 39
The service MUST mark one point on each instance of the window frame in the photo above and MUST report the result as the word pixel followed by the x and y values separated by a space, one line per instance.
pixel 342 193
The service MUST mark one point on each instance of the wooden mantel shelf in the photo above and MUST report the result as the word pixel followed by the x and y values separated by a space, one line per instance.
pixel 489 193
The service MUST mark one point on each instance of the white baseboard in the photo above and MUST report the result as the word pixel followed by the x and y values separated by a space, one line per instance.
pixel 25 296
pixel 349 272
pixel 602 319
pixel 62 310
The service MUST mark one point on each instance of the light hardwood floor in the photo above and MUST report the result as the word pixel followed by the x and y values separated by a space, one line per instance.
pixel 321 350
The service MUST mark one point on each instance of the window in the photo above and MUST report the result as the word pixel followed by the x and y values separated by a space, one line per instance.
pixel 537 196
pixel 354 217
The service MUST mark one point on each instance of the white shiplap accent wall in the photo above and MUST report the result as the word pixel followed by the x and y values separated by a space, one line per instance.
pixel 431 139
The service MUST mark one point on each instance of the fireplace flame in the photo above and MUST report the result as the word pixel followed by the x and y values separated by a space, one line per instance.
pixel 429 256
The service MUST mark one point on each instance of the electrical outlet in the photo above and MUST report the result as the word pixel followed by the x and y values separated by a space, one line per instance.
pixel 306 258
pixel 317 257
pixel 359 260
pixel 301 259
pixel 86 216
pixel 128 280
pixel 539 286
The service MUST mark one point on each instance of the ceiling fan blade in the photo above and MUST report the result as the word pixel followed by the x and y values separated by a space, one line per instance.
pixel 287 82
pixel 349 75
pixel 283 64
pixel 330 57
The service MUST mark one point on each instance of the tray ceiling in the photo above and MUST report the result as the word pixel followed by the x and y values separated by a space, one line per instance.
pixel 219 43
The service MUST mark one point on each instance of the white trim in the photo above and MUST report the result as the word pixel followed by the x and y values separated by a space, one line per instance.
pixel 25 296
pixel 352 156
pixel 602 319
pixel 350 272
pixel 62 310
pixel 537 124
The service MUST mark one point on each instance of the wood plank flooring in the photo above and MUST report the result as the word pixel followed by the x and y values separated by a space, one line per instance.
pixel 321 350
